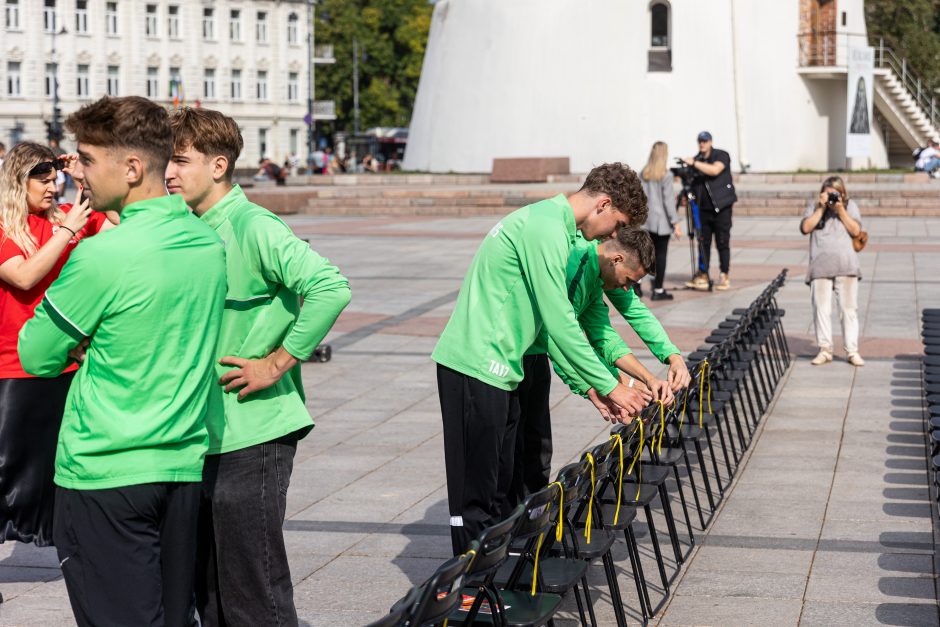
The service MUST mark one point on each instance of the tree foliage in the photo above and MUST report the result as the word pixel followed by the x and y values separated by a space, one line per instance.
pixel 912 29
pixel 391 36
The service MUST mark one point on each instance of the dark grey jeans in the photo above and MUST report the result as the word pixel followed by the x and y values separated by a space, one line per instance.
pixel 242 576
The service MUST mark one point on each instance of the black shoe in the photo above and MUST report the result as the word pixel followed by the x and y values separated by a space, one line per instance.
pixel 663 295
pixel 638 290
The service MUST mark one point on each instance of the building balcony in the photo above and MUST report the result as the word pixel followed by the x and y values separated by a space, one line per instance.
pixel 323 53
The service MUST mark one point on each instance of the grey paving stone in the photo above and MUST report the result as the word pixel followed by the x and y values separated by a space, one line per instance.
pixel 730 584
pixel 720 611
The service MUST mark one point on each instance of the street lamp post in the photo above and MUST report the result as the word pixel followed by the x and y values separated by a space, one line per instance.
pixel 55 126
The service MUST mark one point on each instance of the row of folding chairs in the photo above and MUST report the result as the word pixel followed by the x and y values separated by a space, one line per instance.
pixel 930 332
pixel 518 571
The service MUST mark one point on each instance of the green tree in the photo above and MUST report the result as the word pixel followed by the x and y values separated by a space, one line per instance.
pixel 391 36
pixel 912 29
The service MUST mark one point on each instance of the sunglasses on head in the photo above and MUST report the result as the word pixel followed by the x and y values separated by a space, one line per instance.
pixel 47 166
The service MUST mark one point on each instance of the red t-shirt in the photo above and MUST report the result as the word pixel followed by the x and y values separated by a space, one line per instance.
pixel 16 305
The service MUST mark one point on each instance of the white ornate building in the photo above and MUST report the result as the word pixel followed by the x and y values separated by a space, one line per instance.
pixel 601 80
pixel 246 58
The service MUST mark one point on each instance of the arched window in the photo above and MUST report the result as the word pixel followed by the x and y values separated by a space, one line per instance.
pixel 660 53
pixel 659 25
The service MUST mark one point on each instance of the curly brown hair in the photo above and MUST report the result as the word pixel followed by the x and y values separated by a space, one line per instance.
pixel 636 241
pixel 209 132
pixel 621 183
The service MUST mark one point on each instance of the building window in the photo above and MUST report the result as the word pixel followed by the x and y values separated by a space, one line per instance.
pixel 660 54
pixel 14 83
pixel 292 36
pixel 263 141
pixel 293 87
pixel 81 87
pixel 50 80
pixel 81 16
pixel 113 86
pixel 48 16
pixel 176 86
pixel 208 24
pixel 235 25
pixel 208 84
pixel 173 21
pixel 261 27
pixel 262 85
pixel 294 141
pixel 150 22
pixel 111 18
pixel 236 91
pixel 11 14
pixel 153 83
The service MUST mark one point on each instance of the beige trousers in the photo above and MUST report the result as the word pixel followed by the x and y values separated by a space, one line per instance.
pixel 846 291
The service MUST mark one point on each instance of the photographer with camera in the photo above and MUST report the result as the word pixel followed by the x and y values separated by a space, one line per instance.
pixel 714 191
pixel 831 222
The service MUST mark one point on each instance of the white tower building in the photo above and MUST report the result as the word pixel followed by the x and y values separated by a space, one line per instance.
pixel 602 80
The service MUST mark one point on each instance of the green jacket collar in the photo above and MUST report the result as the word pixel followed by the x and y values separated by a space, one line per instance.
pixel 220 211
pixel 162 206
pixel 570 227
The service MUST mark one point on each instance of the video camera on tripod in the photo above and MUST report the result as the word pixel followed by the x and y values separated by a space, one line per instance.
pixel 690 177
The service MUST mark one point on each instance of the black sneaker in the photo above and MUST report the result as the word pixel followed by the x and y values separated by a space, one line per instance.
pixel 661 295
pixel 638 290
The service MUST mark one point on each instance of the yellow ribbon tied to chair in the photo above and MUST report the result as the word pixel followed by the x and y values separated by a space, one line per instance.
pixel 559 530
pixel 706 367
pixel 636 458
pixel 590 514
pixel 662 427
pixel 616 436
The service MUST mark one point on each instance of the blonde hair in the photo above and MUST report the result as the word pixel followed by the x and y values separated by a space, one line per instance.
pixel 836 183
pixel 14 179
pixel 655 167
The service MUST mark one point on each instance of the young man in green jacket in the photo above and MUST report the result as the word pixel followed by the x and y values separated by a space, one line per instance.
pixel 591 274
pixel 514 287
pixel 133 437
pixel 255 422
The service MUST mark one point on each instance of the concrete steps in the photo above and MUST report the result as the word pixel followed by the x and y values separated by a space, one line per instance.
pixel 762 194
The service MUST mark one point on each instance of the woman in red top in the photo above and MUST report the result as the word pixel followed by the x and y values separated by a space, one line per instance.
pixel 36 238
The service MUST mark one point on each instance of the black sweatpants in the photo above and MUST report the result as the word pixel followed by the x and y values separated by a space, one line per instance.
pixel 479 440
pixel 533 458
pixel 661 245
pixel 717 224
pixel 129 554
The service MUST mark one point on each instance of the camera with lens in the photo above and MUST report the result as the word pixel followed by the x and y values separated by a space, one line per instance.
pixel 686 173
pixel 834 197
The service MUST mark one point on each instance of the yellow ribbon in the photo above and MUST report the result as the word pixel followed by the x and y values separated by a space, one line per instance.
pixel 701 388
pixel 535 568
pixel 620 482
pixel 559 530
pixel 636 457
pixel 662 427
pixel 590 514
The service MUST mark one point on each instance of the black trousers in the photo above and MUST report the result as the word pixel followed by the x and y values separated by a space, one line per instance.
pixel 128 554
pixel 661 245
pixel 533 457
pixel 717 224
pixel 243 576
pixel 479 441
pixel 30 417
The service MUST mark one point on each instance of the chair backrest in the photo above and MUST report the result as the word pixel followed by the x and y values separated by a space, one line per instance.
pixel 540 513
pixel 401 613
pixel 443 592
pixel 494 544
pixel 575 480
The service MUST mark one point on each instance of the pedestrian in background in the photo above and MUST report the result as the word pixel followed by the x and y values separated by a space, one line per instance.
pixel 663 221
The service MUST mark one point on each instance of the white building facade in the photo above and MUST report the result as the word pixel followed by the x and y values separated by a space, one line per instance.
pixel 246 58
pixel 602 80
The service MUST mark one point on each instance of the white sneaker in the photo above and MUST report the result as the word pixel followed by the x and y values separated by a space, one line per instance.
pixel 824 357
pixel 856 360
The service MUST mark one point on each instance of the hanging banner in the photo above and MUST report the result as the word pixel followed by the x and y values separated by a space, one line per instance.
pixel 860 97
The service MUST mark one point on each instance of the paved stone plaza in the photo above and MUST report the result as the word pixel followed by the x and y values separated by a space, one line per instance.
pixel 829 521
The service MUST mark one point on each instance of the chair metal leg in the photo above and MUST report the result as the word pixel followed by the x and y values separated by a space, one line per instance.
pixel 685 508
pixel 656 550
